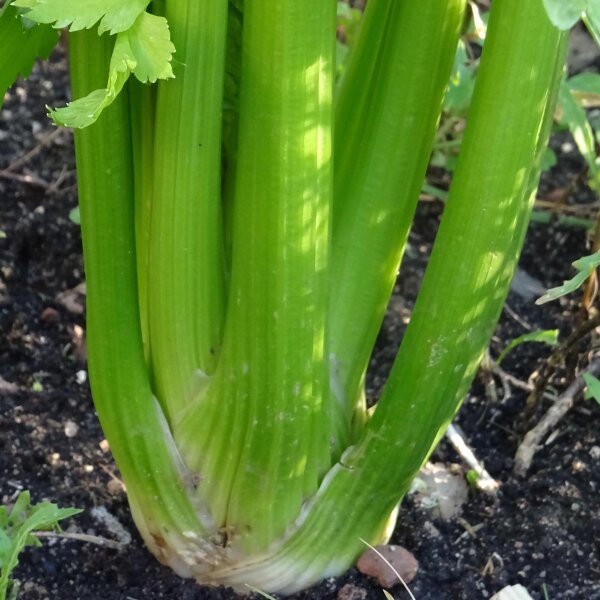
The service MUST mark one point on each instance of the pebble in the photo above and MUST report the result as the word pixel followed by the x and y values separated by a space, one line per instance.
pixel 595 452
pixel 513 592
pixel 115 487
pixel 49 315
pixel 431 529
pixel 352 592
pixel 373 565
pixel 71 429
pixel 442 491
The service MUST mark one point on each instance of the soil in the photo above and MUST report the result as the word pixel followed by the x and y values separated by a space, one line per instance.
pixel 542 532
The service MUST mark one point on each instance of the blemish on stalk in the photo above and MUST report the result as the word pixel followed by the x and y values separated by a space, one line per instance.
pixel 159 540
pixel 296 389
pixel 245 368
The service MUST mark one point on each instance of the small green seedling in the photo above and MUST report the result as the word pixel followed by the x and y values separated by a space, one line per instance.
pixel 593 387
pixel 75 216
pixel 548 336
pixel 586 266
pixel 472 477
pixel 17 527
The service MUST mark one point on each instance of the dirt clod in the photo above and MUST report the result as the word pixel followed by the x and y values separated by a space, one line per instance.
pixel 375 565
pixel 351 592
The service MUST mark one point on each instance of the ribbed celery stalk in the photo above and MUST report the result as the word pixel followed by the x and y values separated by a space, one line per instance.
pixel 261 430
pixel 461 298
pixel 386 116
pixel 142 100
pixel 156 479
pixel 186 303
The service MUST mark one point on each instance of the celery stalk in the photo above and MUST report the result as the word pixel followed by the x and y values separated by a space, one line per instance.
pixel 157 481
pixel 186 285
pixel 386 116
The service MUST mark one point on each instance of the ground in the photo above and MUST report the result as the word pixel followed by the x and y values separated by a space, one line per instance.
pixel 542 531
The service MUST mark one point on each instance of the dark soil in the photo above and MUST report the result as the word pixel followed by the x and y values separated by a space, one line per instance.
pixel 543 532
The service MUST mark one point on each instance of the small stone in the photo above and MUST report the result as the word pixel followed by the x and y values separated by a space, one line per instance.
pixel 373 565
pixel 115 487
pixel 513 592
pixel 81 377
pixel 49 315
pixel 431 529
pixel 104 446
pixel 71 429
pixel 443 492
pixel 595 452
pixel 73 300
pixel 8 387
pixel 352 592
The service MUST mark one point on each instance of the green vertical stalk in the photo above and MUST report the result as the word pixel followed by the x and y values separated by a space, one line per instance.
pixel 261 430
pixel 231 110
pixel 130 415
pixel 386 116
pixel 461 298
pixel 186 283
pixel 142 100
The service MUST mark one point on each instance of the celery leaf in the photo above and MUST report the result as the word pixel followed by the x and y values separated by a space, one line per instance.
pixel 144 50
pixel 114 15
pixel 148 47
pixel 21 47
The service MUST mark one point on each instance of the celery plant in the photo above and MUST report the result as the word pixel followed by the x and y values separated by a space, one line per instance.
pixel 243 223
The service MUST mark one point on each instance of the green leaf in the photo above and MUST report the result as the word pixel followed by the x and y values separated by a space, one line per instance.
pixel 585 82
pixel 434 191
pixel 586 89
pixel 586 266
pixel 21 47
pixel 147 48
pixel 548 336
pixel 144 50
pixel 591 18
pixel 75 216
pixel 576 119
pixel 593 387
pixel 565 13
pixel 114 15
pixel 472 477
pixel 462 82
pixel 16 528
pixel 548 159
